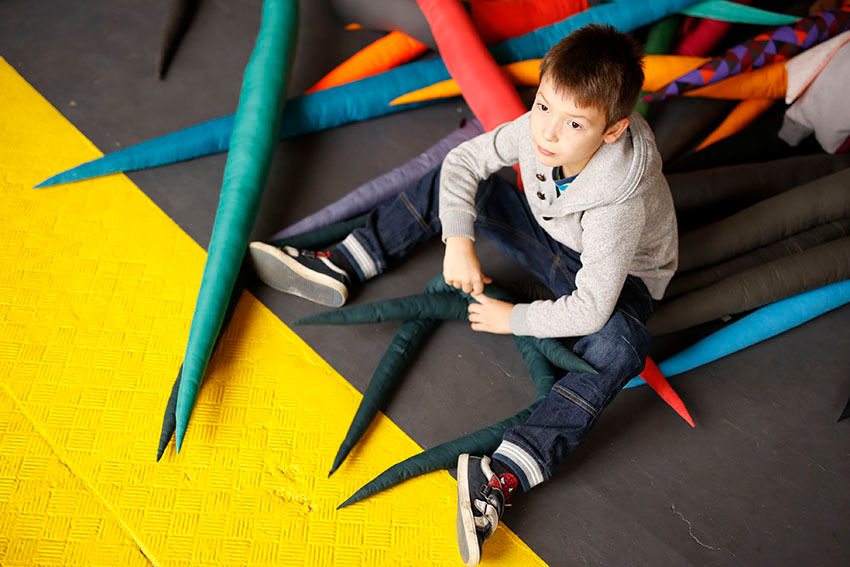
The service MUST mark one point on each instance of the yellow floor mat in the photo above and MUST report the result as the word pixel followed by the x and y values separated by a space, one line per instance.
pixel 97 288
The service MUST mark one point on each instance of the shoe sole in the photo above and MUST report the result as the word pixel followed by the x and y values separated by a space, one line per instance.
pixel 467 538
pixel 282 272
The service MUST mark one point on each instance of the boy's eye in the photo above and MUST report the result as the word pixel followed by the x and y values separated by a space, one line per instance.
pixel 574 125
pixel 542 107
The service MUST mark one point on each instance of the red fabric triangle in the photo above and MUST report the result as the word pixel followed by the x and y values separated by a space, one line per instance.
pixel 656 380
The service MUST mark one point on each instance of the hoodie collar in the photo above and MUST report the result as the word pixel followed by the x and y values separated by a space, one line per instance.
pixel 613 173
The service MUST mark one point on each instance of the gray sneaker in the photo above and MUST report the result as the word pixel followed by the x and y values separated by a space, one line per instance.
pixel 304 273
pixel 480 504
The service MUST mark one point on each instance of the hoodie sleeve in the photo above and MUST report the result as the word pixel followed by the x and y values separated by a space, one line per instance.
pixel 467 165
pixel 610 236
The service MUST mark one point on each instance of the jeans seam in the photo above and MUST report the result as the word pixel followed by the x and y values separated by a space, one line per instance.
pixel 409 206
pixel 510 229
pixel 576 399
pixel 634 350
pixel 624 312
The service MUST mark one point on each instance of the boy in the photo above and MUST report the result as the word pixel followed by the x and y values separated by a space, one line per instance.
pixel 595 224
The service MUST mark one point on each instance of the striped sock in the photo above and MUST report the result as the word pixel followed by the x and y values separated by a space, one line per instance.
pixel 520 463
pixel 363 264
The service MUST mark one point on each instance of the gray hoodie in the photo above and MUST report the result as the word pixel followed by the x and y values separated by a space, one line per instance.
pixel 617 214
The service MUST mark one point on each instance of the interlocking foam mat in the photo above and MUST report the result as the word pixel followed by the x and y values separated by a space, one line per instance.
pixel 97 289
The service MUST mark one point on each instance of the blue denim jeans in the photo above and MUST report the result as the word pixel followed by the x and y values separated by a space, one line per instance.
pixel 618 351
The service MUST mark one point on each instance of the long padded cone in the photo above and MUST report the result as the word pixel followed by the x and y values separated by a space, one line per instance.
pixel 386 378
pixel 178 19
pixel 481 442
pixel 846 413
pixel 445 305
pixel 759 325
pixel 169 419
pixel 685 282
pixel 450 304
pixel 389 372
pixel 252 147
pixel 372 193
pixel 817 202
pixel 779 279
pixel 708 195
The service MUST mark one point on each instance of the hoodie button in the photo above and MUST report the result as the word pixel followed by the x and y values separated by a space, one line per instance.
pixel 541 177
pixel 541 196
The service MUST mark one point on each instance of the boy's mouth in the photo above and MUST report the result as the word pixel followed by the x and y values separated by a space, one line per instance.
pixel 545 152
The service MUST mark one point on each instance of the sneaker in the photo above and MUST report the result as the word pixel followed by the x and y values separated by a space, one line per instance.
pixel 481 500
pixel 304 273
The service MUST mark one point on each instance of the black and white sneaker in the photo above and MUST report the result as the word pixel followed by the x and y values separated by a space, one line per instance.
pixel 304 273
pixel 480 503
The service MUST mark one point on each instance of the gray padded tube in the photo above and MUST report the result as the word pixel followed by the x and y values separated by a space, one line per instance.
pixel 709 195
pixel 817 202
pixel 684 282
pixel 782 278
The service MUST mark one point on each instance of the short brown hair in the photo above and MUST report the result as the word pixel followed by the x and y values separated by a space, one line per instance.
pixel 600 66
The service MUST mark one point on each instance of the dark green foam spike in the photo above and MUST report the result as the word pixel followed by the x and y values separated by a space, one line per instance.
pixel 389 373
pixel 421 312
pixel 177 22
pixel 558 354
pixel 846 413
pixel 482 442
pixel 445 305
pixel 441 457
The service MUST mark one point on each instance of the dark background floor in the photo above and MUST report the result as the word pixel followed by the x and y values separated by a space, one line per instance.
pixel 762 480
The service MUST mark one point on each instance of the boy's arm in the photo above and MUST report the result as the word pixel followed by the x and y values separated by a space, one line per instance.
pixel 463 169
pixel 467 165
pixel 610 237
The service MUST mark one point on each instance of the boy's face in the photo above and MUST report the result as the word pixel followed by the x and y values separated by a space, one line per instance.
pixel 565 134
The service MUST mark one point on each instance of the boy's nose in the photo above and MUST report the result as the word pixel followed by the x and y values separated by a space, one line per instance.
pixel 550 132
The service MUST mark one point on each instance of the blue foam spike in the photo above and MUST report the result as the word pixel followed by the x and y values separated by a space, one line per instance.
pixel 759 325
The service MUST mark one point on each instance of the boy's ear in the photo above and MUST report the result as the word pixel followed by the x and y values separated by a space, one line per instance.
pixel 615 130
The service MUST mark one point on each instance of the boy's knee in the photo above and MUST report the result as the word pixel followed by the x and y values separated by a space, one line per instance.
pixel 621 346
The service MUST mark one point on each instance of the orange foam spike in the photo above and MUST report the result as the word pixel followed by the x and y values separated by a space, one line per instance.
pixel 741 116
pixel 386 53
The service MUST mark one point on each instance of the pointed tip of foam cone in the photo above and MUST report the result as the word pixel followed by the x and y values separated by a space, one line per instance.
pixel 178 439
pixel 46 183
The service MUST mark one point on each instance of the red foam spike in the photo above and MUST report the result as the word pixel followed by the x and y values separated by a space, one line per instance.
pixel 656 380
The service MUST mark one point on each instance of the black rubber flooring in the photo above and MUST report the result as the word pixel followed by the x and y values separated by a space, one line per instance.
pixel 762 480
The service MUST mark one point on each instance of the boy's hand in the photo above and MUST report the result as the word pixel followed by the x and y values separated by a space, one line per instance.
pixel 461 268
pixel 490 315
